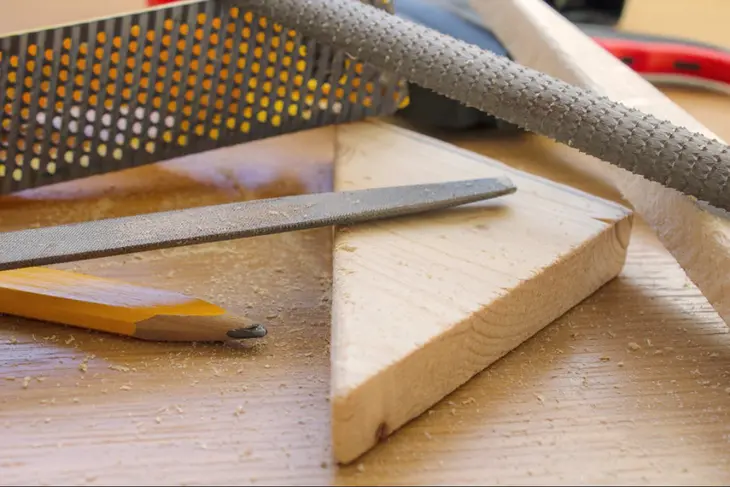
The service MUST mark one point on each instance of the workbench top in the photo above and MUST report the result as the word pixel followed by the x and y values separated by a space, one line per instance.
pixel 631 386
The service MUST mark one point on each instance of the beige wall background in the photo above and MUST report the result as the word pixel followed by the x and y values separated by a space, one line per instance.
pixel 32 14
pixel 701 20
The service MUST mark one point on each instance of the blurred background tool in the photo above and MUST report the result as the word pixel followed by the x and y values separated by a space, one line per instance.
pixel 658 58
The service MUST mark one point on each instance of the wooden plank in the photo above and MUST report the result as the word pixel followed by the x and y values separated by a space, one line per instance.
pixel 575 394
pixel 420 305
pixel 540 38
pixel 535 415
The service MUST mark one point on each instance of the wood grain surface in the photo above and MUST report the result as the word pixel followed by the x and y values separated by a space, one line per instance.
pixel 630 387
pixel 421 305
pixel 79 406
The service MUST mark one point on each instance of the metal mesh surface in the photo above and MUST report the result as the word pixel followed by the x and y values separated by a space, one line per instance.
pixel 133 89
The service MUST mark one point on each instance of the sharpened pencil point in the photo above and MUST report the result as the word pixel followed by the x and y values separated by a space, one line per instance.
pixel 253 331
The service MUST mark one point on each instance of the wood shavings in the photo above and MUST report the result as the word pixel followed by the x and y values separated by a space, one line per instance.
pixel 120 368
pixel 84 365
pixel 633 346
pixel 26 382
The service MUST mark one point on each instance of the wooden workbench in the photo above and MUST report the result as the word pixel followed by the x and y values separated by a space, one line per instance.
pixel 632 386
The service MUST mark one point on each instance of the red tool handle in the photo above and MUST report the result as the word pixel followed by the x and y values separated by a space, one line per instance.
pixel 670 59
pixel 656 55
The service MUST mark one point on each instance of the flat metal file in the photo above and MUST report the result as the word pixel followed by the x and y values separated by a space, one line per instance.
pixel 114 236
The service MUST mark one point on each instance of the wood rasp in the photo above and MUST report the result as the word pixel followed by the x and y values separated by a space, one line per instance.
pixel 195 75
pixel 110 93
pixel 626 137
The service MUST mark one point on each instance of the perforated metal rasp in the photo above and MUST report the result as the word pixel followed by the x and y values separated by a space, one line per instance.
pixel 626 137
pixel 131 89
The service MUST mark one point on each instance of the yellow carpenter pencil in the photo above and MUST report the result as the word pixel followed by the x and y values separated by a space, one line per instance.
pixel 119 307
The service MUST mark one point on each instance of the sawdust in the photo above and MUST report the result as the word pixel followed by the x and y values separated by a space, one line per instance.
pixel 286 275
pixel 120 368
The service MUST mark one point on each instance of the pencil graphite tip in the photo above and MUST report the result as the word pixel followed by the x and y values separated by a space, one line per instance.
pixel 253 331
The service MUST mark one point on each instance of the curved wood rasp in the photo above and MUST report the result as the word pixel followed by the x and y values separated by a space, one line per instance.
pixel 626 137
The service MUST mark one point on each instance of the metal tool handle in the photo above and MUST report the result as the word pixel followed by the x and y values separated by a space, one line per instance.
pixel 628 138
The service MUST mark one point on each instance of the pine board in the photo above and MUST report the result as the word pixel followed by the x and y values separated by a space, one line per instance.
pixel 422 304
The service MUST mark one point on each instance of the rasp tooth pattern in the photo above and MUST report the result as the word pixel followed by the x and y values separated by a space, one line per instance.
pixel 108 94
pixel 595 125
